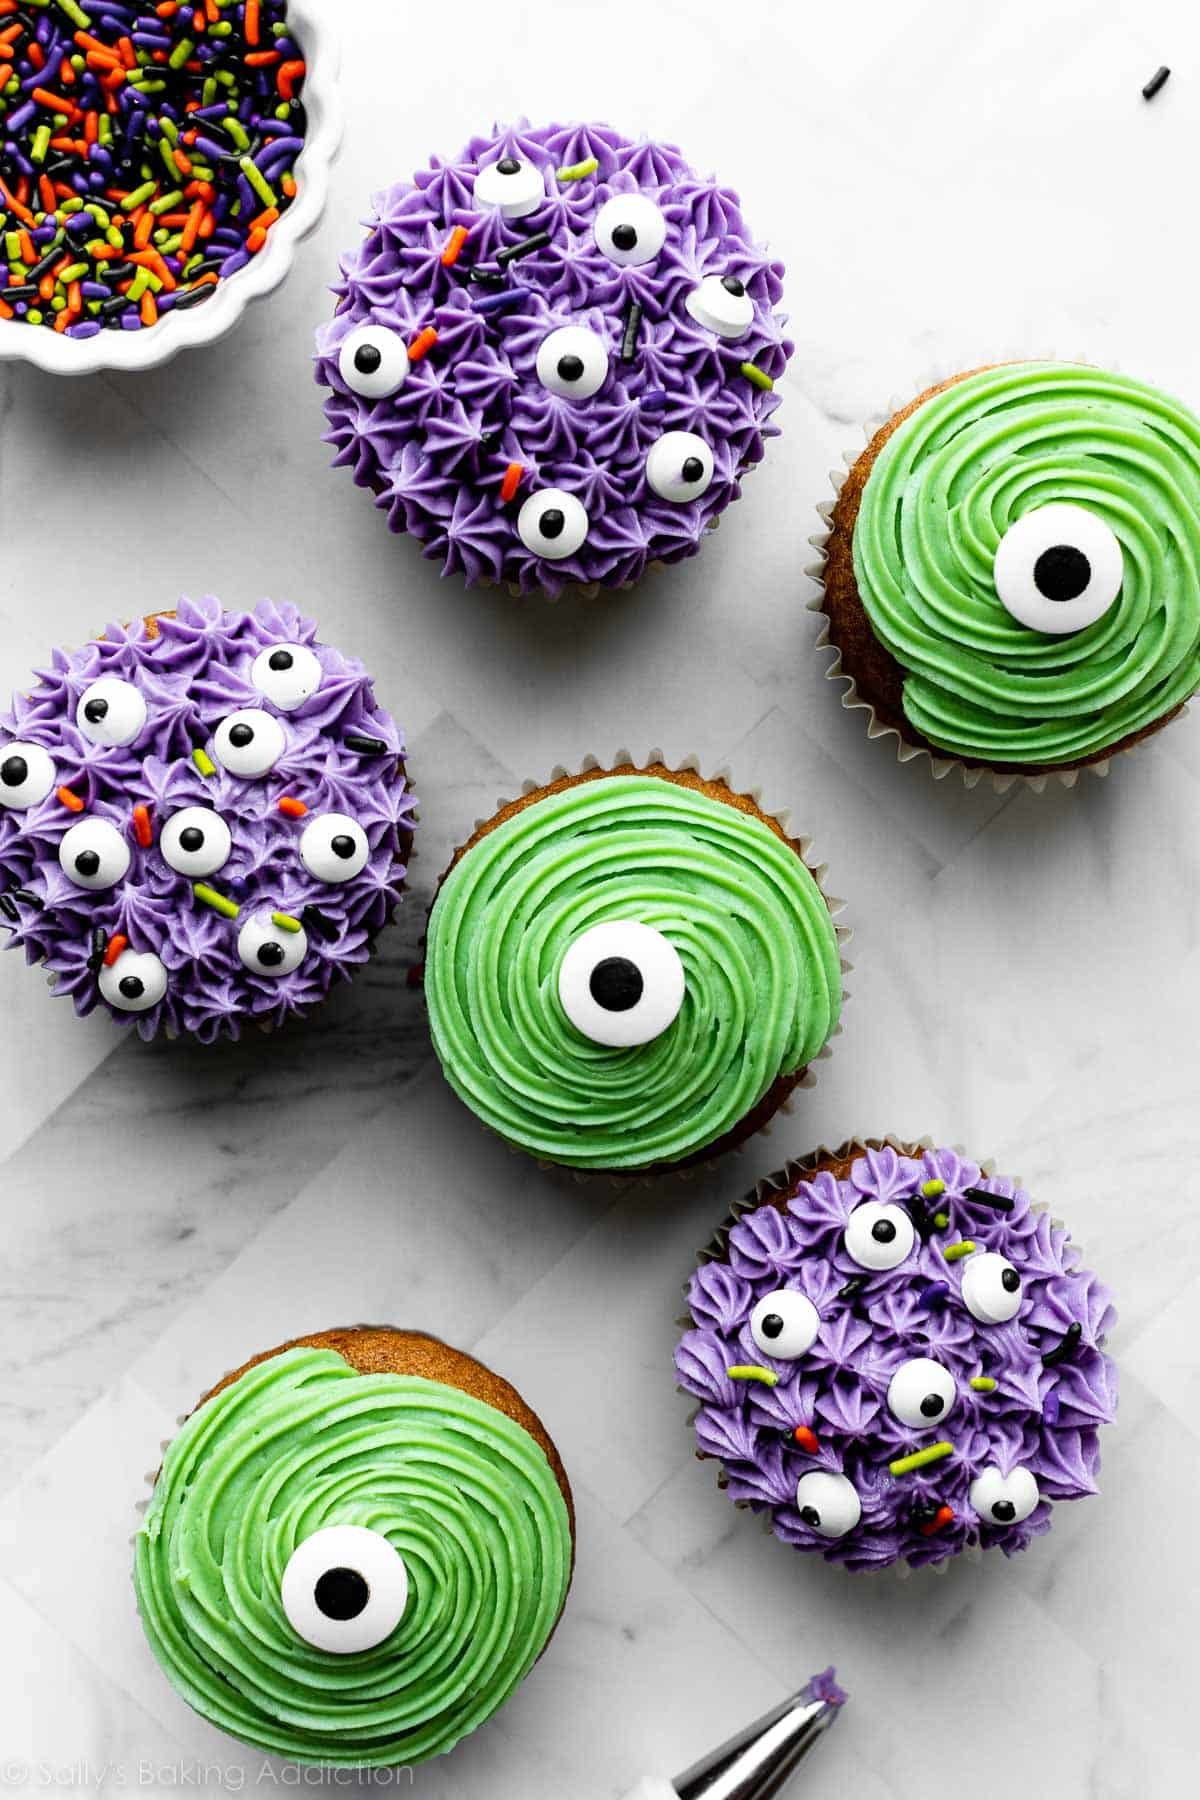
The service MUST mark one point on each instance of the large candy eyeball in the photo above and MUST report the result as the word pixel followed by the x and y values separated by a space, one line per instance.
pixel 828 1503
pixel 921 1393
pixel 621 983
pixel 249 743
pixel 679 467
pixel 1004 1499
pixel 27 775
pixel 195 842
pixel 373 362
pixel 991 1288
pixel 288 674
pixel 94 855
pixel 344 1589
pixel 110 711
pixel 269 949
pixel 134 983
pixel 334 848
pixel 1058 569
pixel 573 362
pixel 630 229
pixel 552 524
pixel 722 304
pixel 879 1235
pixel 785 1324
pixel 512 187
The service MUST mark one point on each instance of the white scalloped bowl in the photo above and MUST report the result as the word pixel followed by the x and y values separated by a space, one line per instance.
pixel 157 344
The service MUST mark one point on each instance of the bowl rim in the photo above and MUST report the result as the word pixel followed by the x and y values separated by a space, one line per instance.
pixel 156 344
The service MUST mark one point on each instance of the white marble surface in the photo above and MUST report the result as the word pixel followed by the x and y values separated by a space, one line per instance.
pixel 947 184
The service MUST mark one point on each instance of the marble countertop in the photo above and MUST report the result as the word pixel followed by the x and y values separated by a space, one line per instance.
pixel 947 185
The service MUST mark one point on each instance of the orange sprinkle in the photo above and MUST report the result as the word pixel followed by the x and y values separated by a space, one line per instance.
pixel 266 218
pixel 55 102
pixel 143 227
pixel 807 1439
pixel 70 800
pixel 48 196
pixel 511 482
pixel 6 311
pixel 187 240
pixel 288 75
pixel 292 809
pixel 183 161
pixel 250 23
pixel 142 828
pixel 149 309
pixel 168 9
pixel 74 297
pixel 255 241
pixel 67 75
pixel 422 344
pixel 288 183
pixel 7 53
pixel 261 59
pixel 64 318
pixel 37 55
pixel 943 1517
pixel 118 944
pixel 27 251
pixel 128 53
pixel 453 246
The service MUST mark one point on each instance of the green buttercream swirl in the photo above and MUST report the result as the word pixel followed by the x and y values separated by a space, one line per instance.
pixel 944 489
pixel 758 947
pixel 304 1441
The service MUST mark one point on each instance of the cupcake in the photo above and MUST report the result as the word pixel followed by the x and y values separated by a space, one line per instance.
pixel 204 820
pixel 1012 572
pixel 355 1550
pixel 897 1357
pixel 554 357
pixel 630 969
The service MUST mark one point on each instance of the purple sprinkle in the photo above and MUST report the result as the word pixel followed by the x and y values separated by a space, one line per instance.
pixel 89 328
pixel 934 1295
pixel 654 401
pixel 1051 1406
pixel 501 300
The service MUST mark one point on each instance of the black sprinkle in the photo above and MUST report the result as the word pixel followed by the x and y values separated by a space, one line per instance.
pixel 28 899
pixel 486 278
pixel 633 324
pixel 195 296
pixel 922 1216
pixel 527 246
pixel 853 1287
pixel 44 267
pixel 8 907
pixel 366 746
pixel 320 924
pixel 1158 80
pixel 997 1202
pixel 1065 1346
pixel 13 294
pixel 95 961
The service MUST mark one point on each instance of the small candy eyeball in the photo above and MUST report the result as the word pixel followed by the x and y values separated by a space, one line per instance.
pixel 828 1503
pixel 334 848
pixel 268 949
pixel 195 842
pixel 621 983
pixel 512 187
pixel 1058 568
pixel 552 524
pixel 135 982
pixel 344 1589
pixel 27 774
pixel 630 230
pixel 373 362
pixel 249 743
pixel 722 304
pixel 288 674
pixel 679 467
pixel 921 1393
pixel 991 1288
pixel 785 1324
pixel 879 1235
pixel 94 855
pixel 110 711
pixel 1004 1499
pixel 573 362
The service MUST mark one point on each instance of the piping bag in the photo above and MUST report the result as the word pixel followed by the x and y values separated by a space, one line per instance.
pixel 757 1762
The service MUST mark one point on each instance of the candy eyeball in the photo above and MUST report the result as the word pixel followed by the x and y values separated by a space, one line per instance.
pixel 573 362
pixel 679 467
pixel 785 1324
pixel 1058 568
pixel 27 774
pixel 94 855
pixel 249 743
pixel 828 1503
pixel 195 842
pixel 334 848
pixel 110 712
pixel 921 1393
pixel 991 1288
pixel 512 187
pixel 879 1235
pixel 373 362
pixel 268 949
pixel 722 304
pixel 621 983
pixel 134 983
pixel 552 524
pixel 630 230
pixel 288 674
pixel 344 1589
pixel 1004 1499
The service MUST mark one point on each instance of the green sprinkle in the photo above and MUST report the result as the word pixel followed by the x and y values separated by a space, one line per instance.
pixel 956 1252
pixel 113 237
pixel 33 316
pixel 932 1190
pixel 751 1372
pixel 578 171
pixel 257 180
pixel 220 903
pixel 75 13
pixel 204 762
pixel 181 52
pixel 233 129
pixel 208 92
pixel 904 1465
pixel 223 29
pixel 12 246
pixel 941 1220
pixel 140 283
pixel 165 202
pixel 286 922
pixel 76 272
pixel 41 143
pixel 983 1384
pixel 139 196
pixel 757 377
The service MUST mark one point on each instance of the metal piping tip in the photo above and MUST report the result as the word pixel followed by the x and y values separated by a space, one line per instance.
pixel 757 1762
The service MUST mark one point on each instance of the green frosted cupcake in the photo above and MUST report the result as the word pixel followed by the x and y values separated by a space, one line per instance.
pixel 630 969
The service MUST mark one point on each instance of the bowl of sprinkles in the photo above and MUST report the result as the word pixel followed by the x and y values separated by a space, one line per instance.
pixel 159 165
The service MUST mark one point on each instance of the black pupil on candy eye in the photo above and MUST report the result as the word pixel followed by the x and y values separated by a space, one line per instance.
pixel 240 736
pixel 87 863
pixel 811 1517
pixel 508 165
pixel 1004 1511
pixel 552 522
pixel 280 660
pixel 341 1593
pixel 96 711
pixel 570 367
pixel 733 286
pixel 191 838
pixel 1062 572
pixel 883 1231
pixel 616 984
pixel 132 986
pixel 932 1405
pixel 692 469
pixel 772 1326
pixel 270 955
pixel 343 846
pixel 1010 1281
pixel 624 237
pixel 15 770
pixel 367 359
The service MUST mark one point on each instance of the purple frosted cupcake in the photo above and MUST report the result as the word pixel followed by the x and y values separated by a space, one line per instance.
pixel 554 357
pixel 204 820
pixel 897 1357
